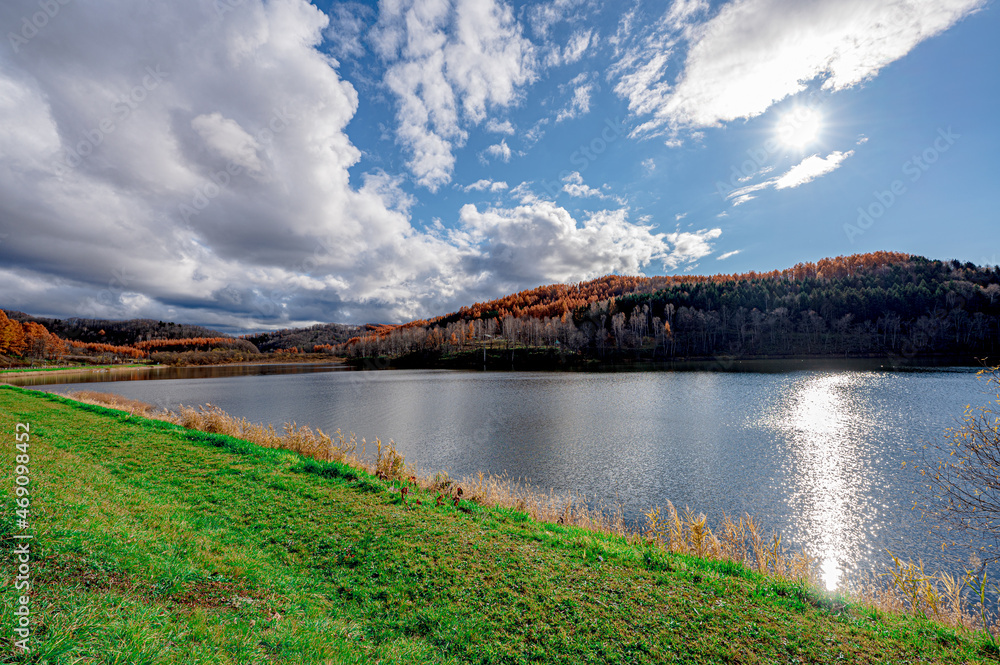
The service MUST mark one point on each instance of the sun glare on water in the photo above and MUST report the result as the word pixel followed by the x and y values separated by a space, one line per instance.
pixel 800 127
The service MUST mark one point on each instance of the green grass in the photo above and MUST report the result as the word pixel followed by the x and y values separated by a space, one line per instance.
pixel 65 367
pixel 156 544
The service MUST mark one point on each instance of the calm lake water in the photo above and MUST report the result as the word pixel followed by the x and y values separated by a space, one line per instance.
pixel 817 455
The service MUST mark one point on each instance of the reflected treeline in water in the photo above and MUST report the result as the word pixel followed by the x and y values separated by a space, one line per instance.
pixel 115 375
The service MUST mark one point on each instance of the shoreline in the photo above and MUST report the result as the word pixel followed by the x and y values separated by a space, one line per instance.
pixel 93 369
pixel 82 369
pixel 520 360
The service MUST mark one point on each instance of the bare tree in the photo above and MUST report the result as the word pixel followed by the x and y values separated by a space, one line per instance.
pixel 962 477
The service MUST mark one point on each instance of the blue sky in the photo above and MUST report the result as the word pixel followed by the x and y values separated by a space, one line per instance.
pixel 247 164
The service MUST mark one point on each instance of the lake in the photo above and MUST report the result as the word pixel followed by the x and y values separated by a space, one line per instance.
pixel 817 455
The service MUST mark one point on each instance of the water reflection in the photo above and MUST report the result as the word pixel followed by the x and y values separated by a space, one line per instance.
pixel 814 455
pixel 823 419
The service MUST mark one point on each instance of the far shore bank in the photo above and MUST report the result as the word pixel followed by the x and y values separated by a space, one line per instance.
pixel 72 369
pixel 551 360
pixel 43 374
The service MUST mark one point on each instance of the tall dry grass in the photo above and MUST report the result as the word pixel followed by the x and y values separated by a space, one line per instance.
pixel 902 587
pixel 131 406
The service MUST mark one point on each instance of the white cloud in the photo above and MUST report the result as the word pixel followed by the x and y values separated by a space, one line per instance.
pixel 497 127
pixel 228 140
pixel 577 46
pixel 389 189
pixel 574 186
pixel 689 246
pixel 542 243
pixel 806 171
pixel 484 185
pixel 723 257
pixel 499 151
pixel 649 165
pixel 754 53
pixel 544 15
pixel 574 50
pixel 578 105
pixel 811 168
pixel 683 12
pixel 149 222
pixel 644 56
pixel 348 22
pixel 448 61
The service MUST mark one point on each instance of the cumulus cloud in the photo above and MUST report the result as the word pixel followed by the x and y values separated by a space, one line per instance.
pixel 448 62
pixel 689 246
pixel 754 53
pixel 541 242
pixel 227 139
pixel 486 185
pixel 172 162
pixel 574 186
pixel 499 151
pixel 499 127
pixel 806 171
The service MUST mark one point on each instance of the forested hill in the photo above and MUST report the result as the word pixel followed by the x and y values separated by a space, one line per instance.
pixel 862 305
pixel 119 333
pixel 318 337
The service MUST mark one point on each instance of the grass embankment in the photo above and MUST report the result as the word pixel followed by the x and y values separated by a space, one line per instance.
pixel 157 544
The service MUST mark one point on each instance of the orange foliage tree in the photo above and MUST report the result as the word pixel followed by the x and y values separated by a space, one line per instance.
pixel 12 340
pixel 40 343
pixel 95 347
pixel 186 343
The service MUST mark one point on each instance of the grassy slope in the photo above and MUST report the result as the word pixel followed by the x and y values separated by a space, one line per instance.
pixel 156 544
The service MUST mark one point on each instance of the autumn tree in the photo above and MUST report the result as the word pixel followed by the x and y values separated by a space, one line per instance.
pixel 12 339
pixel 36 339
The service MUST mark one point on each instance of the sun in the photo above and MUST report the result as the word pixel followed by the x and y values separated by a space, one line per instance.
pixel 800 127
